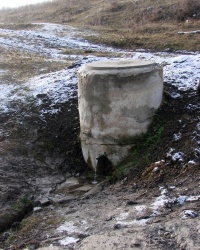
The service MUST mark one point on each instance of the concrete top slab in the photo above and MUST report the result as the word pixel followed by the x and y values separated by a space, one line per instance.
pixel 119 64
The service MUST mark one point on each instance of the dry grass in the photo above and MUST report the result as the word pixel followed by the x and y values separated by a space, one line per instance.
pixel 25 65
pixel 129 23
pixel 32 226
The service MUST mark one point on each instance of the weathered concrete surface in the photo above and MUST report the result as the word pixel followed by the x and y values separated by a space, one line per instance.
pixel 117 100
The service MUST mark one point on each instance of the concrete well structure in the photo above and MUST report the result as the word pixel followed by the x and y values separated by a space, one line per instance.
pixel 117 101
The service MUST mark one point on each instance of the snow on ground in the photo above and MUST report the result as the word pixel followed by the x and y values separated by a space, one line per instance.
pixel 181 70
pixel 47 39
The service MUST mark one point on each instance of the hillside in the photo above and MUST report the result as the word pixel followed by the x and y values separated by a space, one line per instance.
pixel 151 24
pixel 48 199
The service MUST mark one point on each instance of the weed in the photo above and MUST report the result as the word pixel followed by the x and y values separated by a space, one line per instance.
pixel 21 203
pixel 154 136
pixel 142 153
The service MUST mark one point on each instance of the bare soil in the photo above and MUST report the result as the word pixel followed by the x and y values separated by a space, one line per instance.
pixel 103 205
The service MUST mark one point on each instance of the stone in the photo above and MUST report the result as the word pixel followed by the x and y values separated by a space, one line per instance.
pixel 44 202
pixel 70 182
pixel 117 226
pixel 117 102
pixel 63 199
pixel 93 191
pixel 84 188
pixel 131 203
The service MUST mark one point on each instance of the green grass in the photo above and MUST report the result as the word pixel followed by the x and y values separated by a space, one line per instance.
pixel 143 153
pixel 21 203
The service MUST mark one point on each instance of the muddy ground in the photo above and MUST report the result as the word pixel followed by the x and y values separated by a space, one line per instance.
pixel 95 216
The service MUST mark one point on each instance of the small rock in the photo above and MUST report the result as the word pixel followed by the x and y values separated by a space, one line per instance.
pixel 109 218
pixel 124 180
pixel 92 191
pixel 131 203
pixel 44 202
pixel 84 188
pixel 117 226
pixel 63 199
pixel 83 235
pixel 136 243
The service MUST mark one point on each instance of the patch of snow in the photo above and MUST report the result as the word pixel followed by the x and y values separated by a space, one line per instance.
pixel 71 229
pixel 175 156
pixel 179 70
pixel 171 150
pixel 197 152
pixel 68 241
pixel 161 202
pixel 68 227
pixel 141 222
pixel 181 199
pixel 198 126
pixel 155 169
pixel 189 214
pixel 140 209
pixel 8 93
pixel 165 199
pixel 175 95
pixel 48 40
pixel 2 72
pixel 193 198
pixel 193 106
pixel 177 136
pixel 159 162
pixel 178 156
pixel 122 216
pixel 192 162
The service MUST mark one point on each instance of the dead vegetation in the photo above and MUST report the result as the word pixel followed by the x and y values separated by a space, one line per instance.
pixel 130 24
pixel 26 65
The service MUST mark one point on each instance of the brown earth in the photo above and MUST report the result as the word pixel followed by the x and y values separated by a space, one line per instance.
pixel 55 151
